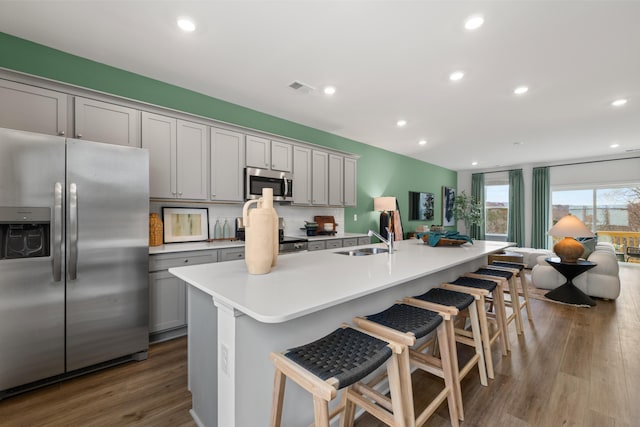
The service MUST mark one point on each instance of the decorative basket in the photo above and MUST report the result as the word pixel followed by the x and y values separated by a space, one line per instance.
pixel 155 230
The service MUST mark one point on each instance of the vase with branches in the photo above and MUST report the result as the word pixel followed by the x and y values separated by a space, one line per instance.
pixel 467 209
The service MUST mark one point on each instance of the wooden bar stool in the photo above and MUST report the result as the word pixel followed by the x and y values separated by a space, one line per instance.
pixel 523 291
pixel 406 324
pixel 512 291
pixel 339 361
pixel 457 302
pixel 482 289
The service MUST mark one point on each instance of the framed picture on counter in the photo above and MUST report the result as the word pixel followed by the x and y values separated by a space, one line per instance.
pixel 185 224
pixel 448 200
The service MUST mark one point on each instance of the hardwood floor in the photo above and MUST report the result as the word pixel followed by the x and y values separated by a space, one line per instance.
pixel 573 367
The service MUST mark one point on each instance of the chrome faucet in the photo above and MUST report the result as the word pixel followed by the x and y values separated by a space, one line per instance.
pixel 388 242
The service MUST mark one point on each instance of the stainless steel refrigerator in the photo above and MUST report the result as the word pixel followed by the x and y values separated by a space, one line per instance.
pixel 73 257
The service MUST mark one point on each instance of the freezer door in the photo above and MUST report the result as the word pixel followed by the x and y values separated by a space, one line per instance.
pixel 107 252
pixel 31 301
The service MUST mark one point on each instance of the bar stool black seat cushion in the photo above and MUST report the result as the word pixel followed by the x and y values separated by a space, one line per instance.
pixel 496 273
pixel 459 300
pixel 346 354
pixel 508 264
pixel 472 282
pixel 407 318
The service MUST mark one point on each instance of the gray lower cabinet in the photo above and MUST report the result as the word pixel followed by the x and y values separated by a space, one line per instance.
pixel 334 243
pixel 167 293
pixel 364 240
pixel 317 246
pixel 104 122
pixel 350 242
pixel 231 254
pixel 33 109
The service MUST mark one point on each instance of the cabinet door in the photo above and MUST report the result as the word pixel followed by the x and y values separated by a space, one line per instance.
pixel 231 254
pixel 281 156
pixel 103 122
pixel 159 137
pixel 350 189
pixel 191 161
pixel 258 150
pixel 334 243
pixel 227 165
pixel 319 194
pixel 336 180
pixel 301 175
pixel 364 240
pixel 30 108
pixel 317 246
pixel 167 302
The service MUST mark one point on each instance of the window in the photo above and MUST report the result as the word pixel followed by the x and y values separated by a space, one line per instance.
pixel 613 213
pixel 496 211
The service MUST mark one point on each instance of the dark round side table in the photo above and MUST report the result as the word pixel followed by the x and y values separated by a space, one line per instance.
pixel 569 293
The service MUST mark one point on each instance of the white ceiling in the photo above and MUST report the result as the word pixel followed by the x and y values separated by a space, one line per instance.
pixel 388 60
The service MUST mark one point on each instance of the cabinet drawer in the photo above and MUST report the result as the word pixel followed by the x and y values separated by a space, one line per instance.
pixel 332 244
pixel 349 242
pixel 364 240
pixel 166 261
pixel 316 246
pixel 231 254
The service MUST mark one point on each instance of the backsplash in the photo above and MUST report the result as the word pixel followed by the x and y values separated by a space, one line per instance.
pixel 294 216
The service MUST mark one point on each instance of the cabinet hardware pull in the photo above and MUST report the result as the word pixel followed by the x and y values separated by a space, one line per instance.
pixel 79 135
pixel 61 133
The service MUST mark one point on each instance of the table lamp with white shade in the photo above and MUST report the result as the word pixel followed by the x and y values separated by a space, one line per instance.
pixel 569 227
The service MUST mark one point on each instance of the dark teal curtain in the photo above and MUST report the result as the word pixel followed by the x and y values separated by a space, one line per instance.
pixel 515 229
pixel 477 195
pixel 541 190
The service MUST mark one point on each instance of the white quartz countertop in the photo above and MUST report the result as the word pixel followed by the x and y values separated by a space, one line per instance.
pixel 306 282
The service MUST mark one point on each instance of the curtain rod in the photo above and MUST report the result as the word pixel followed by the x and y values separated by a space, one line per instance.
pixel 563 164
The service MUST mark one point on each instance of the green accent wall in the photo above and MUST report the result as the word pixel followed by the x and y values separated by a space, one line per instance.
pixel 380 172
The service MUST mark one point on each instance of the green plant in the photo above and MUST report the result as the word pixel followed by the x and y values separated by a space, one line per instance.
pixel 467 209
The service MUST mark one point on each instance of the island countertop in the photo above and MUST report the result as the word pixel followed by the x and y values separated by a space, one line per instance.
pixel 304 283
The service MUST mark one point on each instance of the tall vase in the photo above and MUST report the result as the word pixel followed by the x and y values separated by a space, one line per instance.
pixel 266 202
pixel 155 230
pixel 258 230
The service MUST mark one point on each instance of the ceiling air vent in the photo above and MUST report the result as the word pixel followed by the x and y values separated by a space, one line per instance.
pixel 633 150
pixel 298 86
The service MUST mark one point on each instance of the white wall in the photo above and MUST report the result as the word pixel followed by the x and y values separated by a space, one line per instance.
pixel 620 171
pixel 294 216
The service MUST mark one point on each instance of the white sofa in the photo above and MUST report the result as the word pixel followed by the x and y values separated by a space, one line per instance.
pixel 602 281
pixel 530 255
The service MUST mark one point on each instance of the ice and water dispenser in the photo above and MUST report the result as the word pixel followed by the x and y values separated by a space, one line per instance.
pixel 24 232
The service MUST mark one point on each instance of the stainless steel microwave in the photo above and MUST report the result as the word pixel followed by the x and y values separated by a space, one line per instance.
pixel 258 179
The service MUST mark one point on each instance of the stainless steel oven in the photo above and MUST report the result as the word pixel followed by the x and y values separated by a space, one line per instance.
pixel 258 179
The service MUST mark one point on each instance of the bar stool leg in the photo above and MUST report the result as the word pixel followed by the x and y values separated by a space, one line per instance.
pixel 477 340
pixel 525 294
pixel 449 381
pixel 278 398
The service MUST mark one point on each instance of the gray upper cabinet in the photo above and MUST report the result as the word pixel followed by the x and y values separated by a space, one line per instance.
pixel 266 154
pixel 109 123
pixel 32 109
pixel 227 165
pixel 281 156
pixel 319 170
pixel 336 180
pixel 258 152
pixel 301 175
pixel 177 157
pixel 350 174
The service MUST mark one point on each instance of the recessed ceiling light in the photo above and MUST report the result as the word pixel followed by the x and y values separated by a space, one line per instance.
pixel 456 75
pixel 401 123
pixel 520 90
pixel 329 90
pixel 619 102
pixel 422 142
pixel 614 145
pixel 473 22
pixel 474 163
pixel 186 24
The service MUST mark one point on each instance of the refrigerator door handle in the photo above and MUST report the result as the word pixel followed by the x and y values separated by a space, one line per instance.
pixel 73 231
pixel 57 232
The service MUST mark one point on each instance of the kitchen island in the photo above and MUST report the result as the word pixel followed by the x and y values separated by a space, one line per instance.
pixel 237 319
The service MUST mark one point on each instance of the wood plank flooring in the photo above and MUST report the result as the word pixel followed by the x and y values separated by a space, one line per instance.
pixel 573 367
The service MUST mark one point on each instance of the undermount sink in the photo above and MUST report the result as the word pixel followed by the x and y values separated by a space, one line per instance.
pixel 363 251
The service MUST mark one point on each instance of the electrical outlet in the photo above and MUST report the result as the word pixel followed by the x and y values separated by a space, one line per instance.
pixel 355 217
pixel 224 358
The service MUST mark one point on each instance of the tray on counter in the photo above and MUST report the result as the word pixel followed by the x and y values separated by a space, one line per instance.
pixel 444 241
